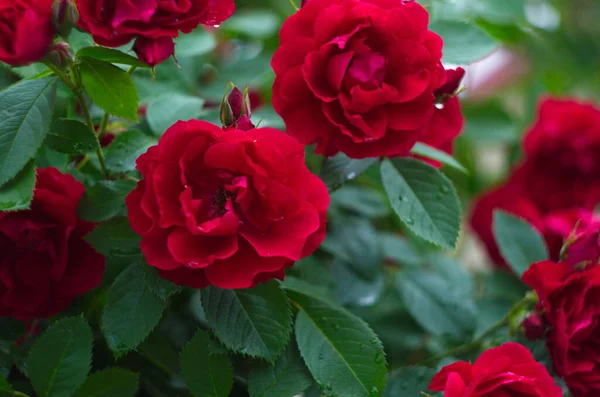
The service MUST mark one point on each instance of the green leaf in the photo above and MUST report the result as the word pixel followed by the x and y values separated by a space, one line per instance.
pixel 104 200
pixel 25 115
pixel 519 243
pixel 168 109
pixel 11 329
pixel 71 136
pixel 352 289
pixel 198 43
pixel 409 381
pixel 110 55
pixel 287 377
pixel 463 42
pixel 340 168
pixel 132 311
pixel 256 23
pixel 424 199
pixel 110 88
pixel 115 237
pixel 4 385
pixel 206 375
pixel 423 150
pixel 435 304
pixel 60 359
pixel 161 287
pixel 255 321
pixel 488 122
pixel 343 354
pixel 123 152
pixel 369 203
pixel 110 382
pixel 18 192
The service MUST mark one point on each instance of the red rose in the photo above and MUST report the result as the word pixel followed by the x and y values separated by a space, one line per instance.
pixel 226 208
pixel 446 124
pixel 114 23
pixel 45 262
pixel 571 307
pixel 26 30
pixel 358 77
pixel 584 245
pixel 563 156
pixel 507 370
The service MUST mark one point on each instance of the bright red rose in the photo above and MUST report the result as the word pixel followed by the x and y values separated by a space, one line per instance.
pixel 114 23
pixel 26 30
pixel 45 261
pixel 563 156
pixel 226 208
pixel 570 300
pixel 508 370
pixel 358 77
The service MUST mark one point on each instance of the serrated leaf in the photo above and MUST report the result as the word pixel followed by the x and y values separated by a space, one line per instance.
pixel 435 304
pixel 114 237
pixel 255 321
pixel 519 243
pixel 4 385
pixel 110 88
pixel 104 200
pixel 25 115
pixel 161 287
pixel 287 377
pixel 343 354
pixel 168 109
pixel 423 150
pixel 463 42
pixel 71 136
pixel 352 289
pixel 132 311
pixel 409 381
pixel 18 192
pixel 424 199
pixel 110 382
pixel 123 152
pixel 110 55
pixel 369 203
pixel 60 359
pixel 340 168
pixel 206 375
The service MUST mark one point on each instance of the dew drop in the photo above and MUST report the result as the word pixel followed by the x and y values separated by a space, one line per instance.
pixel 373 341
pixel 378 358
pixel 439 106
pixel 351 175
pixel 410 221
pixel 374 391
pixel 444 189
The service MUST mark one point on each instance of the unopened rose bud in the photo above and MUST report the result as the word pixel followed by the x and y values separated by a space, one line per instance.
pixel 64 16
pixel 61 54
pixel 534 327
pixel 154 51
pixel 236 111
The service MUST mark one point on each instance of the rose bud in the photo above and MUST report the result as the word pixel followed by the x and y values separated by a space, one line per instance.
pixel 534 327
pixel 235 111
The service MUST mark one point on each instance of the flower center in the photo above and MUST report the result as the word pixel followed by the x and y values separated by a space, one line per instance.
pixel 218 205
pixel 366 69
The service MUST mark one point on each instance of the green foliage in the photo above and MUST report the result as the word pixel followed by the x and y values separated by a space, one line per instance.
pixel 256 322
pixel 123 152
pixel 18 192
pixel 60 360
pixel 110 55
pixel 110 382
pixel 168 109
pixel 110 88
pixel 343 354
pixel 104 200
pixel 519 243
pixel 71 136
pixel 424 199
pixel 463 42
pixel 25 115
pixel 429 152
pixel 409 381
pixel 339 169
pixel 206 374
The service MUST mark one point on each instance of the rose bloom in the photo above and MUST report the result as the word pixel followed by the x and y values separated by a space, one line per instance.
pixel 227 208
pixel 26 30
pixel 507 370
pixel 45 262
pixel 562 153
pixel 570 302
pixel 584 245
pixel 358 77
pixel 154 23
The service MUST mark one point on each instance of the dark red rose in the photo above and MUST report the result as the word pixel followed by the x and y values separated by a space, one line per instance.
pixel 563 156
pixel 45 262
pixel 26 30
pixel 453 79
pixel 584 245
pixel 508 370
pixel 227 208
pixel 114 23
pixel 154 51
pixel 570 302
pixel 358 77
pixel 534 327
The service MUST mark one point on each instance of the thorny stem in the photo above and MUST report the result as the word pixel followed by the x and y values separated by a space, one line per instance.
pixel 478 342
pixel 86 112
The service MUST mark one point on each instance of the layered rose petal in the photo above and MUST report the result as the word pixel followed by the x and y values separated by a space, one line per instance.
pixel 229 208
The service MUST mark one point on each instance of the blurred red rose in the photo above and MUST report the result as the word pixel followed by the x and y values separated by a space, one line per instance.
pixel 358 77
pixel 562 152
pixel 584 245
pixel 570 304
pixel 114 23
pixel 507 370
pixel 226 208
pixel 26 30
pixel 45 261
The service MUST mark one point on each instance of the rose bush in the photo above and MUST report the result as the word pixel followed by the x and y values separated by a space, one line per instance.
pixel 45 262
pixel 226 208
